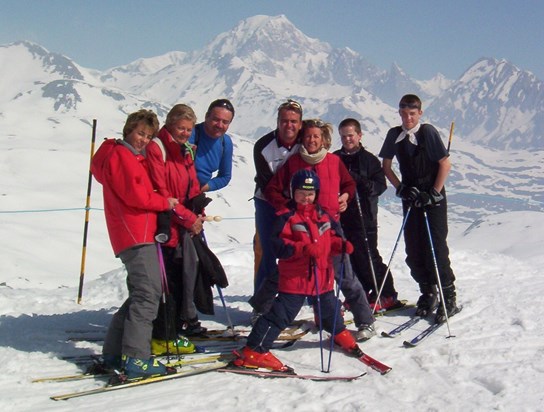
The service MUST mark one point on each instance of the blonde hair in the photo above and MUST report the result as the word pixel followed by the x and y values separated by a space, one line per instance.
pixel 326 130
pixel 180 112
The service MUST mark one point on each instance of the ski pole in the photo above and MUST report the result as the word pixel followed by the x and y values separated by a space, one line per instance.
pixel 220 293
pixel 337 305
pixel 165 291
pixel 314 268
pixel 451 136
pixel 86 225
pixel 394 250
pixel 437 273
pixel 365 236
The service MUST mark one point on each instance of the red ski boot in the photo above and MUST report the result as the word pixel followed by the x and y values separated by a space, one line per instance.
pixel 253 359
pixel 347 342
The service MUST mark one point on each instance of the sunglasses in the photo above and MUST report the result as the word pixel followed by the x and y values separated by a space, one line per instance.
pixel 314 123
pixel 224 103
pixel 291 104
pixel 409 106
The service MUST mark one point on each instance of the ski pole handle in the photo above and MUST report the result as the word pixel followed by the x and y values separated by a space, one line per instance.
pixel 213 218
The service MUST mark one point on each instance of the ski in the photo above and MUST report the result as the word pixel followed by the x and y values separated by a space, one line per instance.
pixel 145 381
pixel 98 371
pixel 209 350
pixel 425 333
pixel 402 305
pixel 286 375
pixel 293 333
pixel 374 364
pixel 402 327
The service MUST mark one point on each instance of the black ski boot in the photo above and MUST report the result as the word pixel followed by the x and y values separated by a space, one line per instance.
pixel 450 303
pixel 428 301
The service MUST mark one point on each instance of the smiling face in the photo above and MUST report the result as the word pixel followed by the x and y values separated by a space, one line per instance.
pixel 181 130
pixel 140 136
pixel 304 197
pixel 350 138
pixel 312 140
pixel 217 122
pixel 289 124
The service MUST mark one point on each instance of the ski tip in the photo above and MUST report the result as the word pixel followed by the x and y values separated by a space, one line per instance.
pixel 407 344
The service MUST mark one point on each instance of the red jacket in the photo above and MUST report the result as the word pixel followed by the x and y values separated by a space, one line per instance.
pixel 295 229
pixel 175 177
pixel 334 180
pixel 129 200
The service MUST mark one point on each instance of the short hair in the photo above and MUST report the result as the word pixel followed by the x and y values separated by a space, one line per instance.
pixel 291 105
pixel 326 130
pixel 350 122
pixel 224 103
pixel 148 117
pixel 410 101
pixel 180 112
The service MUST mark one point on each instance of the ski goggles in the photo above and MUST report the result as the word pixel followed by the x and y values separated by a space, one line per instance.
pixel 224 103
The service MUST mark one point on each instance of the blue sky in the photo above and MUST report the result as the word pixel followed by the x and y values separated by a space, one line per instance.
pixel 423 36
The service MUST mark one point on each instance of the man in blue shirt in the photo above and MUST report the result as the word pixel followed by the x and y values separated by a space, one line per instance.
pixel 214 146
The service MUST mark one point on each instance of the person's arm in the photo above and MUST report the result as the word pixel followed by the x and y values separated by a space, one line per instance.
pixel 275 189
pixel 157 168
pixel 347 187
pixel 444 166
pixel 389 173
pixel 224 172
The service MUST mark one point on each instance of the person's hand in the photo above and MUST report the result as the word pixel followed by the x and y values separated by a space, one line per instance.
pixel 363 183
pixel 343 202
pixel 432 198
pixel 312 250
pixel 197 227
pixel 348 247
pixel 407 193
pixel 172 202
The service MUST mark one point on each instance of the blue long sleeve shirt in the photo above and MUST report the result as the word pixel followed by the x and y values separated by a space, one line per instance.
pixel 212 155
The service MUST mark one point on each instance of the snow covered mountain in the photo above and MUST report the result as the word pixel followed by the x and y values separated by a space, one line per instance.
pixel 495 104
pixel 257 64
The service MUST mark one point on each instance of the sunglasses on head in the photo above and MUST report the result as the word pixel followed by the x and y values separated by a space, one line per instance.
pixel 314 123
pixel 224 103
pixel 291 104
pixel 409 106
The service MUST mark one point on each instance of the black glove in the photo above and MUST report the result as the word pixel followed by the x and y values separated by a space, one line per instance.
pixel 198 203
pixel 428 199
pixel 407 193
pixel 363 183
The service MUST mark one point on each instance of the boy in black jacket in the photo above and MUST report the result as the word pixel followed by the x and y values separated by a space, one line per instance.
pixel 360 219
pixel 424 166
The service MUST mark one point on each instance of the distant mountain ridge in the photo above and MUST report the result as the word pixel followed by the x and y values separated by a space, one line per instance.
pixel 264 60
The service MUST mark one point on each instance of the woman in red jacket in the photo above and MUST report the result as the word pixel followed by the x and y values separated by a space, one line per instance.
pixel 173 173
pixel 130 206
pixel 337 188
pixel 305 237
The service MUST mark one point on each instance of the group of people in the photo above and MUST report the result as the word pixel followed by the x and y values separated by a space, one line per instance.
pixel 315 220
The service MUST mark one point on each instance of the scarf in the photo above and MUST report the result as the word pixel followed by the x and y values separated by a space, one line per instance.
pixel 314 158
pixel 410 133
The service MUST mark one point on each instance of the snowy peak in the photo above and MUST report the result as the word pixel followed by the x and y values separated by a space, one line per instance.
pixel 32 65
pixel 496 104
pixel 274 38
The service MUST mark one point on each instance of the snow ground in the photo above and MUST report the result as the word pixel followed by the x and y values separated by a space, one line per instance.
pixel 494 362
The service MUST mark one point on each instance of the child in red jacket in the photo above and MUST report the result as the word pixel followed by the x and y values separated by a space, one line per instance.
pixel 305 241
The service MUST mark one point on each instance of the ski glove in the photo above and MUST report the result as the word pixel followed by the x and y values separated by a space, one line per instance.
pixel 313 250
pixel 407 193
pixel 428 199
pixel 363 183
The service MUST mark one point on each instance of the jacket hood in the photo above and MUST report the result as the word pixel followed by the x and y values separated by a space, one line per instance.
pixel 100 158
